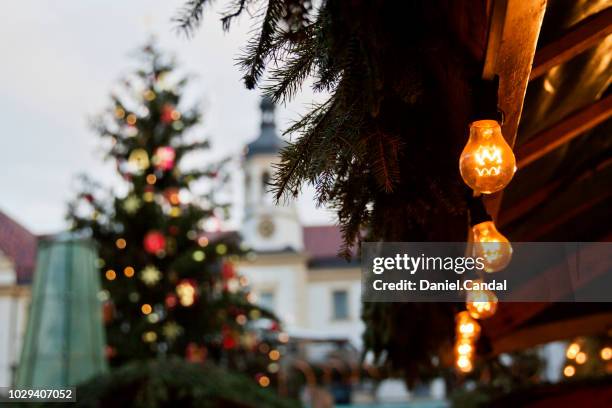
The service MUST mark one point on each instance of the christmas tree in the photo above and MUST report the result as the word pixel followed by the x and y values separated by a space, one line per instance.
pixel 170 287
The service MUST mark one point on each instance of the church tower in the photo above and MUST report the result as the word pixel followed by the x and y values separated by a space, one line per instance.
pixel 267 227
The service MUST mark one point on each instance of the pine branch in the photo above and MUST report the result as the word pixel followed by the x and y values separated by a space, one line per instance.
pixel 189 17
pixel 259 49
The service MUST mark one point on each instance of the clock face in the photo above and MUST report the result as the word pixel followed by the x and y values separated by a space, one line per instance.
pixel 266 227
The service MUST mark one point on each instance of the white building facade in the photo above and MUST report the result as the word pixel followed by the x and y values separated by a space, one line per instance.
pixel 17 257
pixel 296 272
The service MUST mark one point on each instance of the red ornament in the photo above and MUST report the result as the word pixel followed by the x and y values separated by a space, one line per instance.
pixel 154 242
pixel 274 326
pixel 171 301
pixel 229 342
pixel 88 197
pixel 164 158
pixel 172 195
pixel 195 353
pixel 173 230
pixel 167 113
pixel 108 311
pixel 228 271
pixel 110 352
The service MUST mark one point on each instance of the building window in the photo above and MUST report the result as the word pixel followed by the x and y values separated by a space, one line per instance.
pixel 340 305
pixel 266 300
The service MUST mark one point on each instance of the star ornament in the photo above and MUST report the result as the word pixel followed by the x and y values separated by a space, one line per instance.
pixel 150 275
pixel 131 204
pixel 172 330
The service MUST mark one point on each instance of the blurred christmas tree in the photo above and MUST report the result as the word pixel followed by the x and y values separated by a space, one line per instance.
pixel 170 287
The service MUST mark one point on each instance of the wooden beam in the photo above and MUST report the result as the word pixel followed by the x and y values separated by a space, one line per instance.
pixel 559 330
pixel 564 131
pixel 581 37
pixel 513 36
pixel 528 203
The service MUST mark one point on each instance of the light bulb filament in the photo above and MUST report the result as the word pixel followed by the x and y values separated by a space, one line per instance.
pixel 490 154
pixel 491 171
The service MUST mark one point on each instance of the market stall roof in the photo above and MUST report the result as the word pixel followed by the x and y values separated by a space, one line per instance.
pixel 560 131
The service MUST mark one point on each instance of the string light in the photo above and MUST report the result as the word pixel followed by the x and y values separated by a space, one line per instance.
pixel 146 309
pixel 186 292
pixel 264 381
pixel 481 304
pixel 274 355
pixel 572 351
pixel 464 364
pixel 491 246
pixel 139 160
pixel 149 95
pixel 569 371
pixel 467 332
pixel 128 271
pixel 487 163
pixel 110 275
pixel 581 357
pixel 198 256
pixel 149 337
pixel 606 353
pixel 121 243
pixel 151 179
pixel 464 347
pixel 221 249
pixel 131 119
pixel 467 327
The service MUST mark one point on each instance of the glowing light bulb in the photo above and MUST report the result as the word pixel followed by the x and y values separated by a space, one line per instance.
pixel 464 364
pixel 572 351
pixel 487 163
pixel 569 371
pixel 464 347
pixel 467 327
pixel 606 353
pixel 481 304
pixel 491 246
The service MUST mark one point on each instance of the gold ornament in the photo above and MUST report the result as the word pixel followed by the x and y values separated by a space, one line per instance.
pixel 150 275
pixel 131 204
pixel 172 330
pixel 138 160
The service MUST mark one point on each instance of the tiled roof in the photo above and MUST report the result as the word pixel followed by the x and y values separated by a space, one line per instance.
pixel 322 241
pixel 19 245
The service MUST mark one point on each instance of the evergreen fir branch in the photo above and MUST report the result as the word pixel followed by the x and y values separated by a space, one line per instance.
pixel 258 49
pixel 237 9
pixel 286 80
pixel 189 17
pixel 385 165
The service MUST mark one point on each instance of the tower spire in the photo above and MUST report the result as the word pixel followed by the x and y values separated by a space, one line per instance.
pixel 268 141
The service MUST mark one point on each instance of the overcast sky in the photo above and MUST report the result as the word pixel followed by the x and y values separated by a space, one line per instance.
pixel 59 62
